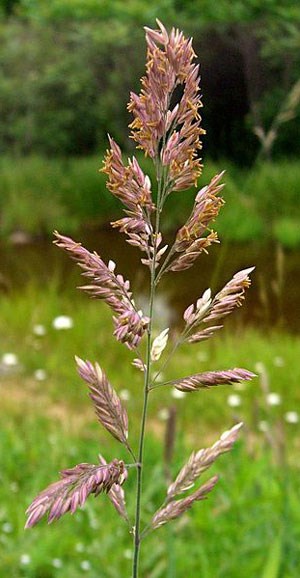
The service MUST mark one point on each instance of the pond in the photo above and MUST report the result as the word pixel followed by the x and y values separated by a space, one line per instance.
pixel 273 299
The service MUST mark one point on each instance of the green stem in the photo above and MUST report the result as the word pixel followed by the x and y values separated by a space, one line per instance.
pixel 166 362
pixel 137 536
pixel 137 532
pixel 171 568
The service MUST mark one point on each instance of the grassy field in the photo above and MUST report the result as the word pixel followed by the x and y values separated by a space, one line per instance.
pixel 250 525
pixel 38 195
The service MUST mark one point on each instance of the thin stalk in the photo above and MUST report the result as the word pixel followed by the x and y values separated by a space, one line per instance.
pixel 182 337
pixel 137 537
pixel 131 452
pixel 164 265
pixel 137 532
pixel 171 568
pixel 166 362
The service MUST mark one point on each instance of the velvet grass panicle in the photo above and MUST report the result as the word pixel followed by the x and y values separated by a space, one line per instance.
pixel 167 127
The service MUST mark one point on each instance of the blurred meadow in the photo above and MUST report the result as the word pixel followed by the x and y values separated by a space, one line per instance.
pixel 67 67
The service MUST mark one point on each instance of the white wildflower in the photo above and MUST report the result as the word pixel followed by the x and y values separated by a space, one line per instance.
pixel 163 414
pixel 125 394
pixel 10 359
pixel 291 417
pixel 85 565
pixel 79 547
pixel 128 554
pixel 62 322
pixel 273 398
pixel 25 559
pixel 40 374
pixel 263 426
pixel 57 563
pixel 278 361
pixel 177 394
pixel 7 528
pixel 39 330
pixel 159 344
pixel 234 400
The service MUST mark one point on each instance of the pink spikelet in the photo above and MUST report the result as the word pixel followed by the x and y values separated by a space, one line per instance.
pixel 116 495
pixel 212 379
pixel 133 188
pixel 170 65
pixel 109 410
pixel 208 310
pixel 175 508
pixel 200 461
pixel 130 324
pixel 231 296
pixel 73 489
pixel 127 183
pixel 196 236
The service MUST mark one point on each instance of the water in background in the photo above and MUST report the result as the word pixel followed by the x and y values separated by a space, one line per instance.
pixel 273 299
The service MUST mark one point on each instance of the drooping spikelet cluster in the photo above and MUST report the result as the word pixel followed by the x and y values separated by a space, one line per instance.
pixel 130 324
pixel 72 490
pixel 189 474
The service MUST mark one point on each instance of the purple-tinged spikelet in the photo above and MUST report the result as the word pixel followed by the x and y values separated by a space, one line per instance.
pixel 116 495
pixel 159 129
pixel 212 379
pixel 133 188
pixel 129 184
pixel 130 324
pixel 200 461
pixel 206 208
pixel 207 309
pixel 73 489
pixel 176 508
pixel 195 236
pixel 109 410
pixel 231 296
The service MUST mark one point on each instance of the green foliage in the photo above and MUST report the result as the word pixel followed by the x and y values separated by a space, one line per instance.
pixel 66 69
pixel 41 194
pixel 287 232
pixel 239 10
pixel 58 81
pixel 107 10
pixel 273 564
pixel 274 186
